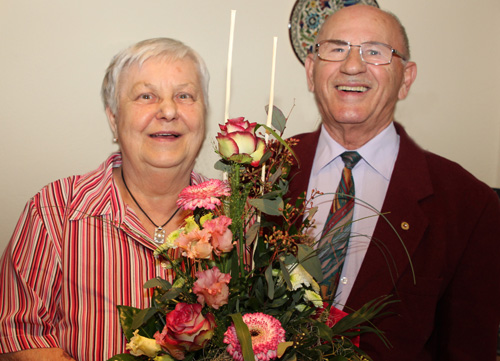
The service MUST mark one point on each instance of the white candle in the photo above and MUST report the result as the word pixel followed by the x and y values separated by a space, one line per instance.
pixel 271 104
pixel 229 65
pixel 271 92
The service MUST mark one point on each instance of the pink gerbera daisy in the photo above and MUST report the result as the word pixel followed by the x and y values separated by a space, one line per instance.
pixel 266 333
pixel 205 195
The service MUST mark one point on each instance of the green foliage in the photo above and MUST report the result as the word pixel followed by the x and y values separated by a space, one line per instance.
pixel 278 119
pixel 243 336
pixel 133 318
pixel 126 357
pixel 268 206
pixel 308 258
pixel 158 282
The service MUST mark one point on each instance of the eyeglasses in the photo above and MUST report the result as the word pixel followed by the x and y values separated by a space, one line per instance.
pixel 371 52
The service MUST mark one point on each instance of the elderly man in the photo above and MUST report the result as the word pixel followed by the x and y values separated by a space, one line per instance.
pixel 436 248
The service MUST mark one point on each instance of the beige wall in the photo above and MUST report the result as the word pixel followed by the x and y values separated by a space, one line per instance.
pixel 53 55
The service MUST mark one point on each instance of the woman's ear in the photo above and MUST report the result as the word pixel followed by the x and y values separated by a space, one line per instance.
pixel 112 122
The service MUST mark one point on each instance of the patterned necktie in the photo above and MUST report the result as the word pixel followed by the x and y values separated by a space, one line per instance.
pixel 335 236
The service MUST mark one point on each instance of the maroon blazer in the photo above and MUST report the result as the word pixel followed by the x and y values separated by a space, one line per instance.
pixel 450 225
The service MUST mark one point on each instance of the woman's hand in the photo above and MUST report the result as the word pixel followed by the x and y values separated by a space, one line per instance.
pixel 38 354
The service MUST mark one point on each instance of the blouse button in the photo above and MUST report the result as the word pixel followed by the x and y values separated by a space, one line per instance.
pixel 405 226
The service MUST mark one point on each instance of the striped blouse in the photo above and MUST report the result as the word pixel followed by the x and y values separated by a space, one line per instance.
pixel 76 253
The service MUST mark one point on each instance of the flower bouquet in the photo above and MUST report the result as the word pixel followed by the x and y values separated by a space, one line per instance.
pixel 245 274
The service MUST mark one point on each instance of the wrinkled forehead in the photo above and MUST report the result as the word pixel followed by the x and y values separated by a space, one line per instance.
pixel 144 67
pixel 361 23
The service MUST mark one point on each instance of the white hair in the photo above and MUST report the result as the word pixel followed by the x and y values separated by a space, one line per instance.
pixel 167 48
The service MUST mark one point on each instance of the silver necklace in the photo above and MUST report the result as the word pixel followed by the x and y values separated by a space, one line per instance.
pixel 159 236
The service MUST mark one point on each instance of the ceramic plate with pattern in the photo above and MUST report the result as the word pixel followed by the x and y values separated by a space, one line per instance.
pixel 307 17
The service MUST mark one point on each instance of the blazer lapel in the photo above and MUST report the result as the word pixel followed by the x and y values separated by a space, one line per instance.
pixel 389 255
pixel 305 151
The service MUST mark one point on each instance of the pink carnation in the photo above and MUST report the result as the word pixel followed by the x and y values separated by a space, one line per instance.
pixel 212 287
pixel 195 244
pixel 222 237
pixel 266 333
pixel 205 195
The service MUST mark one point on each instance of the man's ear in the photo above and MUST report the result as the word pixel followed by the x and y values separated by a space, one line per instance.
pixel 309 65
pixel 112 121
pixel 410 73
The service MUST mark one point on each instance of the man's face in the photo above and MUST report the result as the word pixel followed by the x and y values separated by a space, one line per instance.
pixel 351 93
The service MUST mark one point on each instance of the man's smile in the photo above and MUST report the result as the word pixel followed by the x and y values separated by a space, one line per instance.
pixel 357 89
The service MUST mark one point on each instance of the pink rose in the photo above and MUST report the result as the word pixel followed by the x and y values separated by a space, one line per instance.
pixel 222 237
pixel 238 142
pixel 212 287
pixel 186 330
pixel 196 244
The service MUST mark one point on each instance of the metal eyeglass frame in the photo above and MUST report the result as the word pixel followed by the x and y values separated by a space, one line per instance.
pixel 393 51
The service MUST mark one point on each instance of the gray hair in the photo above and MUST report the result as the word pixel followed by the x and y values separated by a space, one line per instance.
pixel 404 35
pixel 170 49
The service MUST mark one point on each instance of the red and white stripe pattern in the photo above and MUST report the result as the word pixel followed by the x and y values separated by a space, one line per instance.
pixel 77 252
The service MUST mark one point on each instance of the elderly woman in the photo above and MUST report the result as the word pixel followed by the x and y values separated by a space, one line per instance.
pixel 84 244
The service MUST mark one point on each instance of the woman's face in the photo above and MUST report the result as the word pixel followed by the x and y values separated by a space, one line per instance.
pixel 160 118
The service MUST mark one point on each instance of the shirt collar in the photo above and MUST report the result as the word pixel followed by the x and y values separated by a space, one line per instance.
pixel 380 153
pixel 95 193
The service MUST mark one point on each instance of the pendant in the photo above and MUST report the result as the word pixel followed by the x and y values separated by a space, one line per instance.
pixel 159 237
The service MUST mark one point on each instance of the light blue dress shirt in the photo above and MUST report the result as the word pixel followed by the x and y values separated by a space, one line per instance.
pixel 371 179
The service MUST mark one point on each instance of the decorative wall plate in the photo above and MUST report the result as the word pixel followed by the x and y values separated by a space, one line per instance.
pixel 306 19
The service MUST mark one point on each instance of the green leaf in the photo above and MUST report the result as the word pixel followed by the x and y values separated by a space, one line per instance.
pixel 282 347
pixel 308 258
pixel 220 165
pixel 265 157
pixel 235 271
pixel 285 317
pixel 252 233
pixel 340 358
pixel 278 302
pixel 270 282
pixel 278 138
pixel 158 282
pixel 272 195
pixel 123 357
pixel 324 331
pixel 278 119
pixel 258 290
pixel 274 177
pixel 286 275
pixel 171 294
pixel 127 320
pixel 244 337
pixel 289 259
pixel 262 255
pixel 283 186
pixel 143 316
pixel 165 358
pixel 241 158
pixel 126 314
pixel 268 206
pixel 280 291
